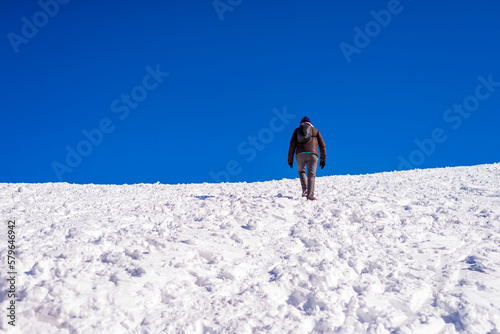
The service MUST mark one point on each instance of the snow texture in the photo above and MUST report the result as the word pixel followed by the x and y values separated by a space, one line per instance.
pixel 403 252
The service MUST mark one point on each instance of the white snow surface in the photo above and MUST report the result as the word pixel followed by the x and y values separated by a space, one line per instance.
pixel 403 252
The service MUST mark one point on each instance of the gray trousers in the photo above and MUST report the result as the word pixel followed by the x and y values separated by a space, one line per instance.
pixel 311 161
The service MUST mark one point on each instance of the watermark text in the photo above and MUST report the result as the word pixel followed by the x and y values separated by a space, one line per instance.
pixel 121 107
pixel 30 27
pixel 363 37
pixel 223 6
pixel 454 117
pixel 11 271
pixel 253 144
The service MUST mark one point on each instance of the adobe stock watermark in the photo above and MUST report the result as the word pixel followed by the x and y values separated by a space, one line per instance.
pixel 121 107
pixel 30 27
pixel 454 117
pixel 250 147
pixel 363 37
pixel 223 6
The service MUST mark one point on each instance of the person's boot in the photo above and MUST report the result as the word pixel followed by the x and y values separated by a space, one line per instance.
pixel 304 193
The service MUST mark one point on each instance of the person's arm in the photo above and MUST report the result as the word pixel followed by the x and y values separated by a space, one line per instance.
pixel 322 147
pixel 292 148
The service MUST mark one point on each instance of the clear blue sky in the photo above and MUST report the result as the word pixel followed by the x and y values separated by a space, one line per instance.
pixel 203 91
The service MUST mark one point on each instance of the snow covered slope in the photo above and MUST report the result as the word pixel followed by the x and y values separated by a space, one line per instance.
pixel 404 252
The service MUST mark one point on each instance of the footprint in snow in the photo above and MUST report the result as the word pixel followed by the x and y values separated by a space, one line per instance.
pixel 475 264
pixel 251 225
pixel 71 233
pixel 136 272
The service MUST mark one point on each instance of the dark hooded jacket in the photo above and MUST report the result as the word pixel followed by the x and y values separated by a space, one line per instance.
pixel 310 146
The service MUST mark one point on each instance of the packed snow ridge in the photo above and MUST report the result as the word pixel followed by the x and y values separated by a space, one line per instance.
pixel 403 252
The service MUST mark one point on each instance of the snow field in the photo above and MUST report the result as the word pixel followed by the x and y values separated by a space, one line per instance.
pixel 402 252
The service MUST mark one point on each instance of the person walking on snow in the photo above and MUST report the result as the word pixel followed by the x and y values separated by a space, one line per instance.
pixel 305 141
